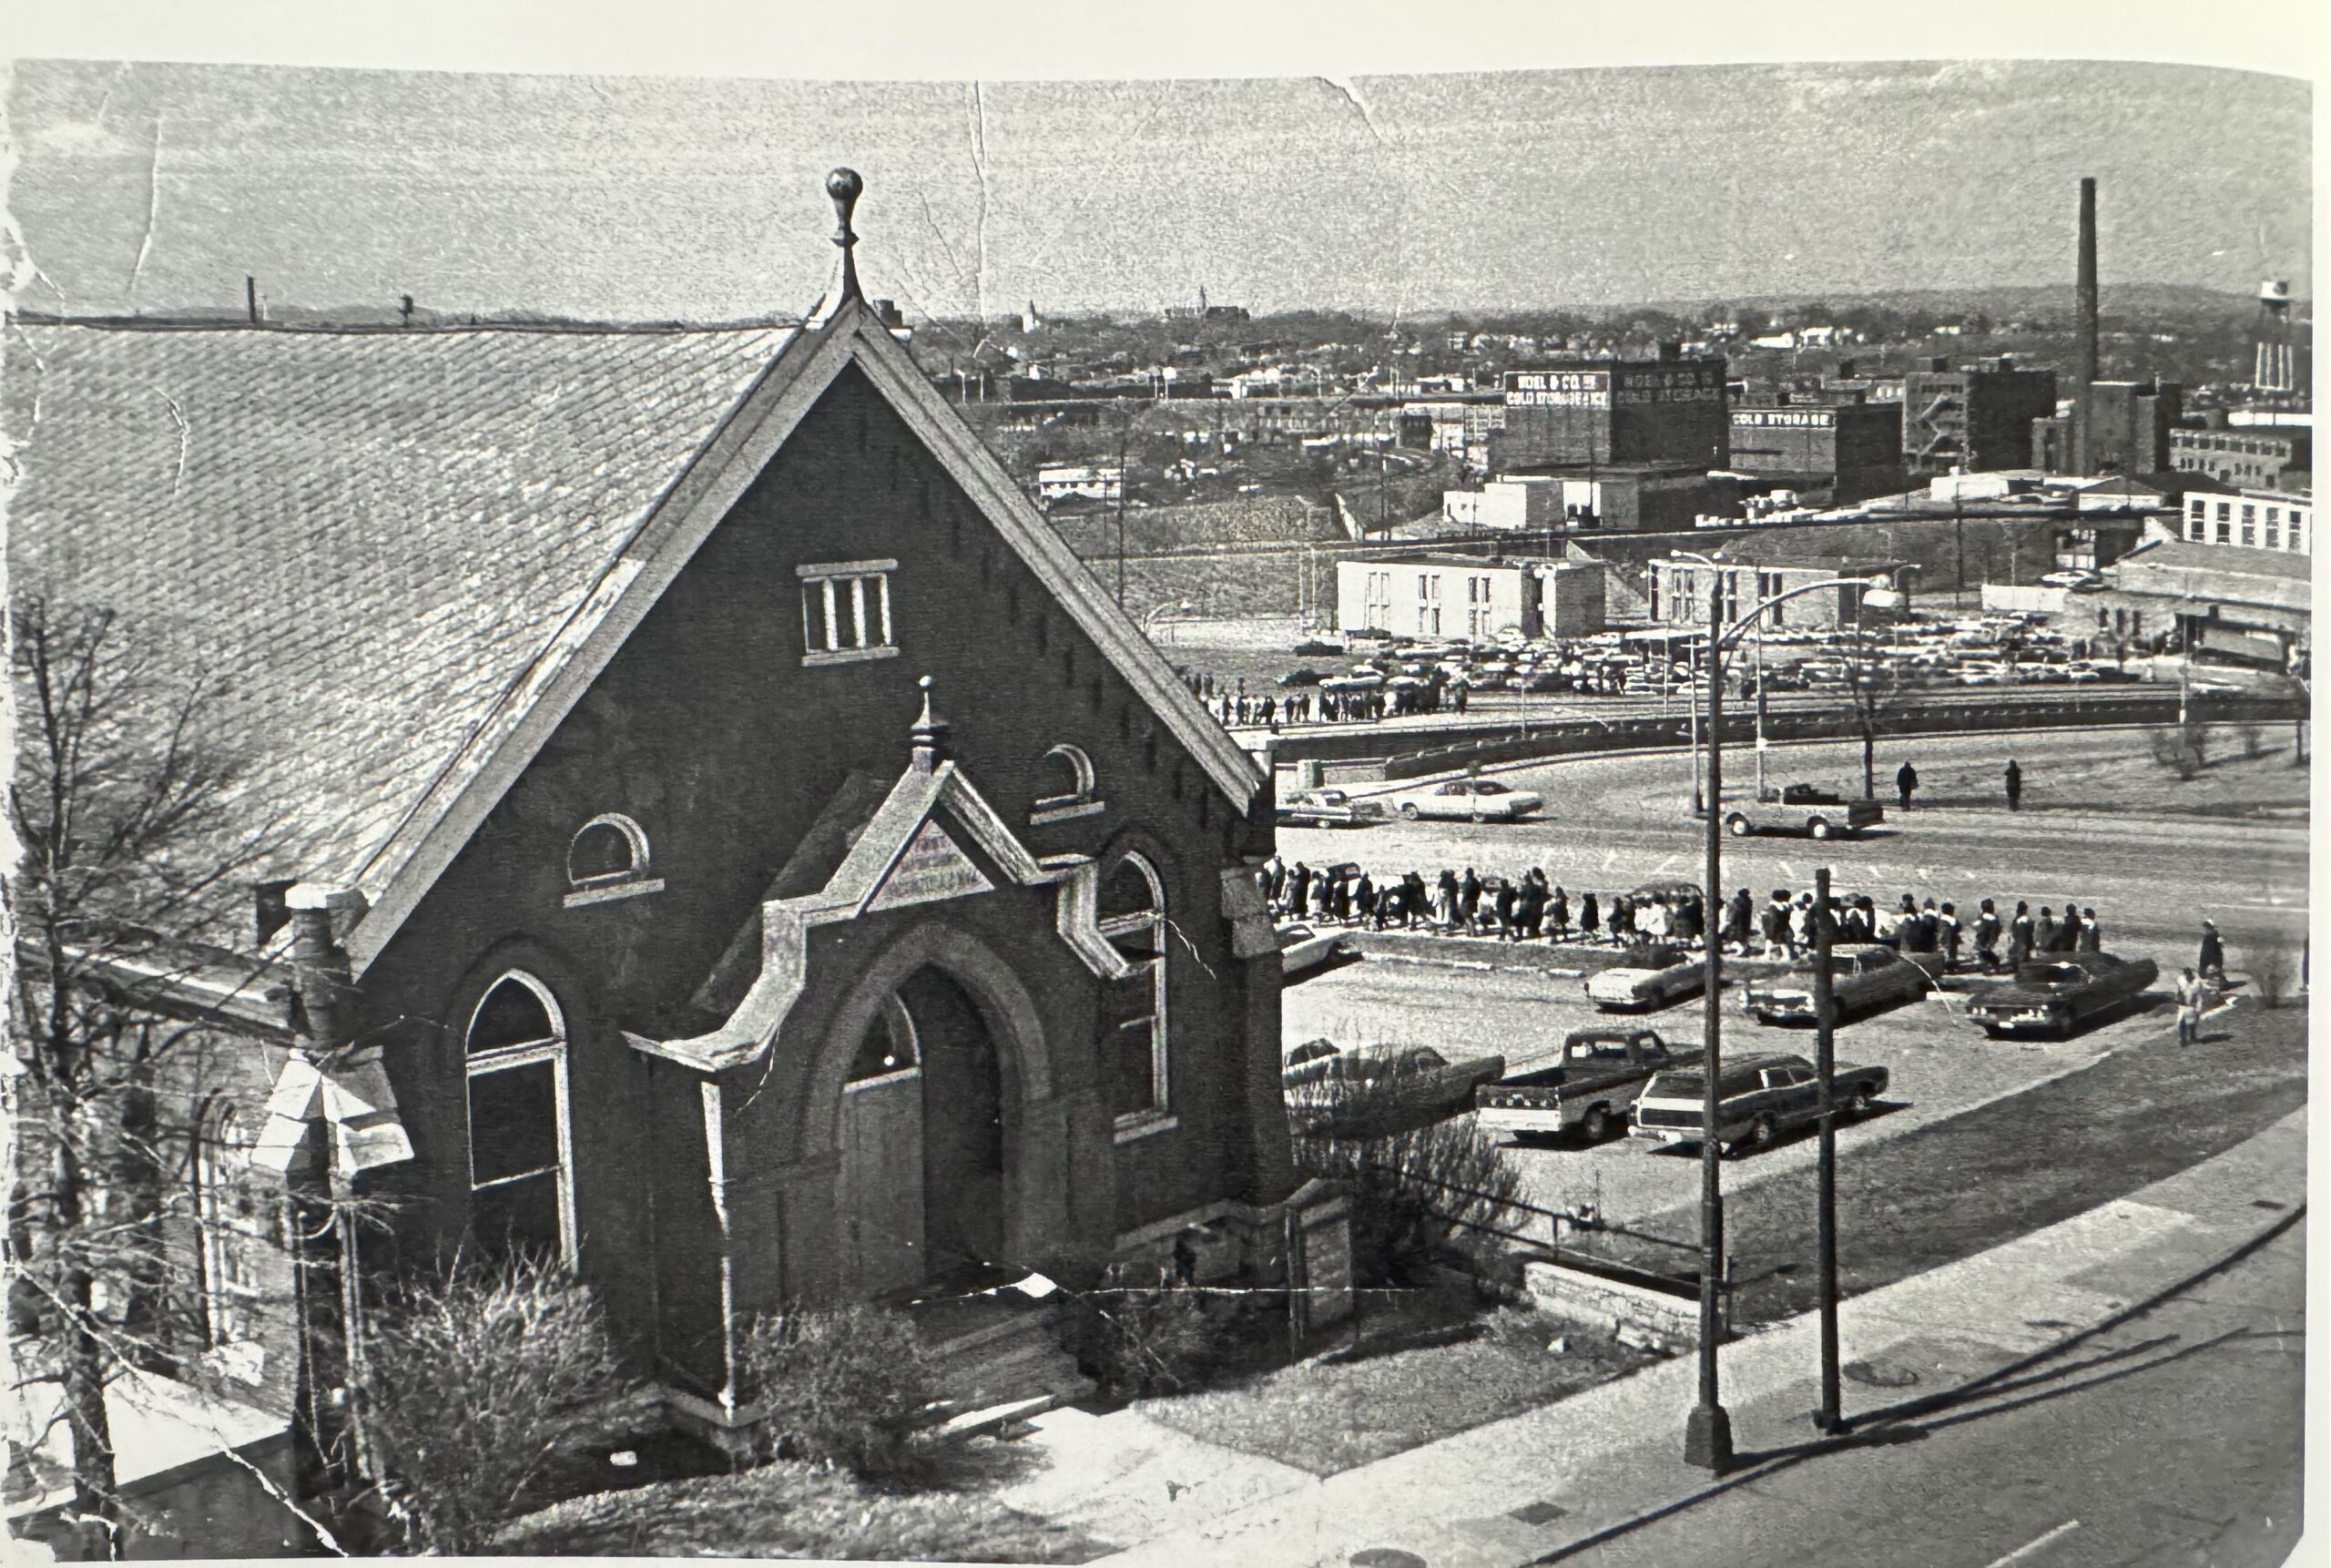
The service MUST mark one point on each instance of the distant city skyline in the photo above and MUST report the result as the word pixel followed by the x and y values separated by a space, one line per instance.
pixel 159 188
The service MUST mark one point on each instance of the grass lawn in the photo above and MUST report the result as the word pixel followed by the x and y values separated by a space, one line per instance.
pixel 2127 779
pixel 1422 1364
pixel 791 1511
pixel 1958 1186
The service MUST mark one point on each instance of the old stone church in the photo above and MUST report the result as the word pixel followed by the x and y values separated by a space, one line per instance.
pixel 733 844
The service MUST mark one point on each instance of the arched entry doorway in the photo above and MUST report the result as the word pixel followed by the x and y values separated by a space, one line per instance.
pixel 922 1141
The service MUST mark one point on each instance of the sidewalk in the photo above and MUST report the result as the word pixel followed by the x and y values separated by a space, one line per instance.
pixel 1516 1489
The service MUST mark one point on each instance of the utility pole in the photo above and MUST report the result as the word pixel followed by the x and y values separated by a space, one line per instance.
pixel 1707 1431
pixel 1124 439
pixel 1828 1417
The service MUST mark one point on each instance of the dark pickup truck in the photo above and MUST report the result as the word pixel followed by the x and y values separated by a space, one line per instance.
pixel 1590 1089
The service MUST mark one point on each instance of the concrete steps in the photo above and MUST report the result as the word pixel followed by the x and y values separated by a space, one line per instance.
pixel 1002 1356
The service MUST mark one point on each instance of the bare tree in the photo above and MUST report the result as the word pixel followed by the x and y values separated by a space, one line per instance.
pixel 121 811
pixel 1874 688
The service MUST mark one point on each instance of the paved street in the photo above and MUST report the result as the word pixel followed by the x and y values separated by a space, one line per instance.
pixel 2150 880
pixel 1612 823
pixel 2166 1440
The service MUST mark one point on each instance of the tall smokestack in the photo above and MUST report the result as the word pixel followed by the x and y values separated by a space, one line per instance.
pixel 2084 362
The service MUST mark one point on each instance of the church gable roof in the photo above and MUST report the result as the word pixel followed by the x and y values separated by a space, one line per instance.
pixel 412 551
pixel 367 535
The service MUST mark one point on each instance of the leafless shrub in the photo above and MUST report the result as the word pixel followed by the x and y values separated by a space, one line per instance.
pixel 2178 750
pixel 2274 974
pixel 1415 1194
pixel 1140 1343
pixel 845 1386
pixel 471 1385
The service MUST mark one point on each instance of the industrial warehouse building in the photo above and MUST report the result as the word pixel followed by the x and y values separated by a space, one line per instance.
pixel 1430 596
pixel 1838 443
pixel 1976 417
pixel 2266 457
pixel 637 905
pixel 1579 414
pixel 2129 426
pixel 2250 519
pixel 2225 603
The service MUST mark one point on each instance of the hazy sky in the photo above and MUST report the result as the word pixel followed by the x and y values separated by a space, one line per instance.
pixel 153 187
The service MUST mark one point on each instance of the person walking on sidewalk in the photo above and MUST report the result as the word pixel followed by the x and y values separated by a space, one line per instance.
pixel 1951 933
pixel 2014 786
pixel 1740 922
pixel 1590 919
pixel 1558 916
pixel 1507 897
pixel 1468 900
pixel 2092 936
pixel 2212 962
pixel 2043 931
pixel 2020 934
pixel 1906 782
pixel 2192 994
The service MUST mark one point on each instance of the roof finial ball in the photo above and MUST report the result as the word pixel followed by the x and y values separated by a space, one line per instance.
pixel 930 733
pixel 845 187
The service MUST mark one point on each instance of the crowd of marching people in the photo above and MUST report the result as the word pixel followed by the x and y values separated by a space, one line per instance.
pixel 1323 704
pixel 1529 907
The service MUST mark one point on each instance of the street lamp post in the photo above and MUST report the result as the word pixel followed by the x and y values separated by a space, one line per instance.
pixel 1829 1417
pixel 1707 1431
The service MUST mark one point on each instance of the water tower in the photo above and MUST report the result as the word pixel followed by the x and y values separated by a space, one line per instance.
pixel 2275 370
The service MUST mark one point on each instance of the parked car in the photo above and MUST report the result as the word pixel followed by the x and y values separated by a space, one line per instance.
pixel 1758 1098
pixel 1329 809
pixel 1805 810
pixel 1654 975
pixel 1303 948
pixel 2071 579
pixel 1865 977
pixel 1475 799
pixel 1305 676
pixel 1588 1090
pixel 2057 994
pixel 1373 1091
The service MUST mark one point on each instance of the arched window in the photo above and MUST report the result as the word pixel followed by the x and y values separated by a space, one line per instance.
pixel 231 1220
pixel 521 1188
pixel 1134 1042
pixel 607 859
pixel 1075 791
pixel 888 1049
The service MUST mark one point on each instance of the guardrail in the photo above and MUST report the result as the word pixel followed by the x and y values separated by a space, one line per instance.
pixel 1654 732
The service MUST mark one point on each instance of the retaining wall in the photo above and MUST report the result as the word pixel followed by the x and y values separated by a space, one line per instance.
pixel 1609 1298
pixel 1418 753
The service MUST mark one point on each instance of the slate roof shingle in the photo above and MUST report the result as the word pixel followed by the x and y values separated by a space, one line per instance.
pixel 372 534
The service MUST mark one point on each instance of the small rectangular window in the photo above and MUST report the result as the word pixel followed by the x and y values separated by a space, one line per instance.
pixel 845 611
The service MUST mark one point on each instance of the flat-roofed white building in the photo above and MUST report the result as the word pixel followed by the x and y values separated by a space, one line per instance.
pixel 1448 596
pixel 2250 519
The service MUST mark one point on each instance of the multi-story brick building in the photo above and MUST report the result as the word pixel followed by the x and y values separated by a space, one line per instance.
pixel 1976 416
pixel 2255 457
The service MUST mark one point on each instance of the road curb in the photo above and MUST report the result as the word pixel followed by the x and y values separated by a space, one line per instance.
pixel 1890 1423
